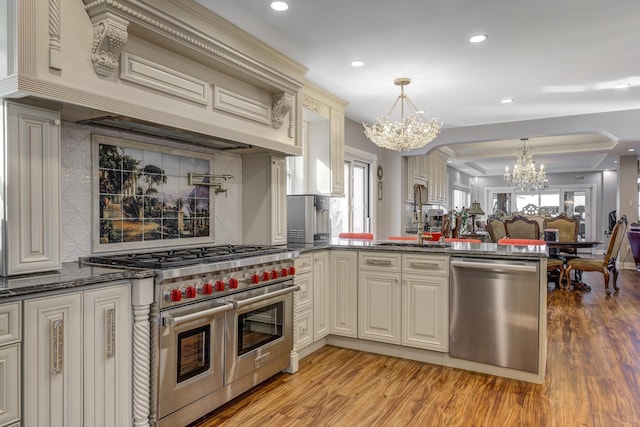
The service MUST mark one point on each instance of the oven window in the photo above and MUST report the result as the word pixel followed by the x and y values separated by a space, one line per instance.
pixel 193 352
pixel 259 327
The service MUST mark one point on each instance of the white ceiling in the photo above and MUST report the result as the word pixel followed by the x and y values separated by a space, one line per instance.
pixel 553 58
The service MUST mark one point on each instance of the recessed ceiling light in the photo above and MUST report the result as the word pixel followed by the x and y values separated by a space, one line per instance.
pixel 449 161
pixel 357 63
pixel 478 38
pixel 631 149
pixel 506 101
pixel 615 161
pixel 279 6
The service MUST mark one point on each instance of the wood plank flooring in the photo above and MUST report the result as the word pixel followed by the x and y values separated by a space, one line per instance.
pixel 593 379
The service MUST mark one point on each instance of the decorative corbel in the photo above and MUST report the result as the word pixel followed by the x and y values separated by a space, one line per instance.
pixel 281 106
pixel 109 37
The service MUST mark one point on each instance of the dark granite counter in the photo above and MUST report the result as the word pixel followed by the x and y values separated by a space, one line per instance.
pixel 483 250
pixel 72 275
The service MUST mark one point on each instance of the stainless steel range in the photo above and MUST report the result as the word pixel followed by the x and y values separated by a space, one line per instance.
pixel 222 322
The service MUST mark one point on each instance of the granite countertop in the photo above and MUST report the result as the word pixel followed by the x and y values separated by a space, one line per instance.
pixel 485 250
pixel 72 275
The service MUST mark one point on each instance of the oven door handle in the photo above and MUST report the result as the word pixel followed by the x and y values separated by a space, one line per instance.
pixel 167 320
pixel 244 302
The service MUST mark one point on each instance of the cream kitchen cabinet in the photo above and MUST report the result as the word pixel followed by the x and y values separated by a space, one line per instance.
pixel 344 292
pixel 303 301
pixel 264 200
pixel 320 169
pixel 379 296
pixel 437 176
pixel 10 366
pixel 77 358
pixel 425 301
pixel 321 301
pixel 32 185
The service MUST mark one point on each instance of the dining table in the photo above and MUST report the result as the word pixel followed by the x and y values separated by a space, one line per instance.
pixel 554 252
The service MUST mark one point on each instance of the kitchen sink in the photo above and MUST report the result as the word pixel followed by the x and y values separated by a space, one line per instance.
pixel 427 244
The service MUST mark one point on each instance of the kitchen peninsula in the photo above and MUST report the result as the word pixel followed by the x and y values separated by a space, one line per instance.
pixel 398 299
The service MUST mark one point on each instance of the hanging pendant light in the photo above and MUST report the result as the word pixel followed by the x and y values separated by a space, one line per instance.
pixel 408 133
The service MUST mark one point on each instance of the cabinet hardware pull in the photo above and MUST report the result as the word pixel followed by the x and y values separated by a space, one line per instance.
pixel 425 265
pixel 110 335
pixel 56 335
pixel 378 262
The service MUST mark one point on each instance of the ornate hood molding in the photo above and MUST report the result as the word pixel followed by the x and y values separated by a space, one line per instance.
pixel 113 19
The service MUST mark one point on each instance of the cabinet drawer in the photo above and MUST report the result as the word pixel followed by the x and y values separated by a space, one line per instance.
pixel 425 264
pixel 303 263
pixel 10 323
pixel 381 261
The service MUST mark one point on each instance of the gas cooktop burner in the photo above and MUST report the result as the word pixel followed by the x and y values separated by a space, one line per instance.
pixel 172 258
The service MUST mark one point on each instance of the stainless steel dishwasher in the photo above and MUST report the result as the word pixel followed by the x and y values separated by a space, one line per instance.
pixel 493 311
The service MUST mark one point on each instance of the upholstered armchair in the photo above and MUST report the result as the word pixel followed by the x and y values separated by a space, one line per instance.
pixel 520 227
pixel 496 230
pixel 567 229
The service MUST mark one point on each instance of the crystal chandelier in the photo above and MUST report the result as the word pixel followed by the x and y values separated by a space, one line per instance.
pixel 525 176
pixel 410 132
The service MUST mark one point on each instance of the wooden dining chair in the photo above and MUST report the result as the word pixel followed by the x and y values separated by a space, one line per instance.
pixel 495 228
pixel 567 229
pixel 520 227
pixel 604 265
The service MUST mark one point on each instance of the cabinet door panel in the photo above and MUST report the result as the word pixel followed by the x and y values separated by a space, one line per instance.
pixel 344 293
pixel 320 294
pixel 107 357
pixel 425 322
pixel 9 384
pixel 33 190
pixel 53 361
pixel 379 306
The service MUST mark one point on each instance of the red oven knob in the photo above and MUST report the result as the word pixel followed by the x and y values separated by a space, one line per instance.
pixel 175 295
pixel 265 276
pixel 219 286
pixel 206 288
pixel 233 283
pixel 255 278
pixel 284 272
pixel 190 292
pixel 274 274
pixel 292 271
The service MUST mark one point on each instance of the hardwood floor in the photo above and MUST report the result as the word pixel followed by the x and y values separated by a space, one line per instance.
pixel 593 379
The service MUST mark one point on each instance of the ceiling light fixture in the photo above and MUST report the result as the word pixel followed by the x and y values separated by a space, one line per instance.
pixel 410 132
pixel 279 6
pixel 357 63
pixel 525 176
pixel 478 38
pixel 506 101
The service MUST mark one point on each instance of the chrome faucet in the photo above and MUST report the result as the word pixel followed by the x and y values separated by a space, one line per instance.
pixel 417 211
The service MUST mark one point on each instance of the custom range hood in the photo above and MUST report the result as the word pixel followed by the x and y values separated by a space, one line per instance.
pixel 166 132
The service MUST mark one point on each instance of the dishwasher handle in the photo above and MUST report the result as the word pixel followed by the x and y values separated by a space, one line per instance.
pixel 529 267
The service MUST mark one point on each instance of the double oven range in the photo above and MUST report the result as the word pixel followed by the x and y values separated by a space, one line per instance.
pixel 222 322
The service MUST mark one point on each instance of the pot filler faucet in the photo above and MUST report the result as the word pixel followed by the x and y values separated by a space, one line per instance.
pixel 417 210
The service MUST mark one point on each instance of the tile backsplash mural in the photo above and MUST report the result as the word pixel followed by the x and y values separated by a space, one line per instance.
pixel 144 194
pixel 149 207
